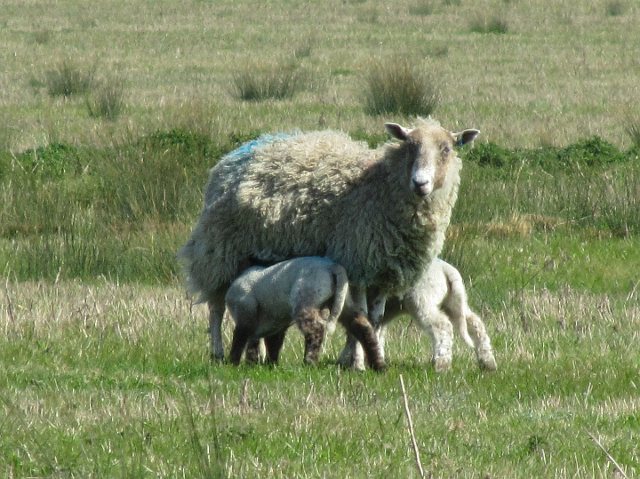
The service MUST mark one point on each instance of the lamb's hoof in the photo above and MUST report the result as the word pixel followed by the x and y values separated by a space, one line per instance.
pixel 216 358
pixel 349 363
pixel 441 364
pixel 487 362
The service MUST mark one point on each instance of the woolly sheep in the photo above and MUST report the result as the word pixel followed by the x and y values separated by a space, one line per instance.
pixel 438 302
pixel 380 213
pixel 264 302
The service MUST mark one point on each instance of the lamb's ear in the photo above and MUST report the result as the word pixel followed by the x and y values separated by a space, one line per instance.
pixel 397 131
pixel 465 136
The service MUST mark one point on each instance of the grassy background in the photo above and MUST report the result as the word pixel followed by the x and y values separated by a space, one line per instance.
pixel 103 360
pixel 550 73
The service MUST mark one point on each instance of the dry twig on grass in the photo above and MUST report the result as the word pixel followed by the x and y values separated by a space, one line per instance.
pixel 414 443
pixel 609 456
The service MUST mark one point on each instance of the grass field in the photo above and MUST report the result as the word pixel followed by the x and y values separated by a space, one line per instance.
pixel 112 114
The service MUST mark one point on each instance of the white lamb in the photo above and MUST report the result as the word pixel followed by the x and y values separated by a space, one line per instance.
pixel 438 302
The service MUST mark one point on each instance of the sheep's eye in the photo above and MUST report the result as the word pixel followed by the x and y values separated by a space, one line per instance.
pixel 446 149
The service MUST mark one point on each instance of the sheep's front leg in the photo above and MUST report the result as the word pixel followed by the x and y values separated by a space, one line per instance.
pixel 352 355
pixel 216 313
pixel 360 334
pixel 361 328
pixel 376 316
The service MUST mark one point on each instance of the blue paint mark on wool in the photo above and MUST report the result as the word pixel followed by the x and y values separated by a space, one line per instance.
pixel 246 150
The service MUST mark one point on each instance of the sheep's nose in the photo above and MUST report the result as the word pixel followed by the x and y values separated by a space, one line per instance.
pixel 422 186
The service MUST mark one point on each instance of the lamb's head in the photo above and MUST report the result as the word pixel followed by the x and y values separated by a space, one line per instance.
pixel 428 152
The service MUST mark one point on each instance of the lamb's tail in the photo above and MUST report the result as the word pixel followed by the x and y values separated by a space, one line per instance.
pixel 339 297
pixel 464 331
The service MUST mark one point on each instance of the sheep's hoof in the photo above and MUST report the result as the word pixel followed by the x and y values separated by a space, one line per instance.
pixel 379 366
pixel 441 364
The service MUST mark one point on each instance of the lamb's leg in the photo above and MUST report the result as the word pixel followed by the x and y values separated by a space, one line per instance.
pixel 241 335
pixel 216 313
pixel 482 342
pixel 311 324
pixel 441 331
pixel 439 328
pixel 273 345
pixel 252 352
pixel 358 325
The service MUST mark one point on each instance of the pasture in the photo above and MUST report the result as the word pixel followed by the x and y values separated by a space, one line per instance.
pixel 104 368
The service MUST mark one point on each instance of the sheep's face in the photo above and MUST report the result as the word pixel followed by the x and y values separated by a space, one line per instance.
pixel 429 152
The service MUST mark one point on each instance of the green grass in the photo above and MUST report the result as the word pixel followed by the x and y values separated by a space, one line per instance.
pixel 115 380
pixel 102 375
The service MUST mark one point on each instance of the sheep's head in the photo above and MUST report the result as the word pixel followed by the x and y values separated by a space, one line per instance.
pixel 429 150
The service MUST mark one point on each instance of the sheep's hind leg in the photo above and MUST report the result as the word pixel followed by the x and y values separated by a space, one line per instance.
pixel 216 313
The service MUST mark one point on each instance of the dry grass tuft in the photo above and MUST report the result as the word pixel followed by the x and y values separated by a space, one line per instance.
pixel 268 82
pixel 399 86
pixel 107 99
pixel 68 79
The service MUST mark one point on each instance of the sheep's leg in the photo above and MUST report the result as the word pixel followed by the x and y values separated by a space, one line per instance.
pixel 482 342
pixel 352 355
pixel 273 345
pixel 360 328
pixel 311 324
pixel 381 332
pixel 216 312
pixel 376 316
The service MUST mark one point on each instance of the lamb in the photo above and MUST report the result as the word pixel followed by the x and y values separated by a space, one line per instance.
pixel 264 302
pixel 381 213
pixel 438 302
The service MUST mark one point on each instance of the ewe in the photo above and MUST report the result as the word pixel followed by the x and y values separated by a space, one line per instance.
pixel 381 214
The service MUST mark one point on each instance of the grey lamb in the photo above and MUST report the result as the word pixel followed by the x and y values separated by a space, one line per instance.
pixel 312 292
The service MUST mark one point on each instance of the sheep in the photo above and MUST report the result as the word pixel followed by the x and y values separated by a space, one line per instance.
pixel 380 213
pixel 264 302
pixel 438 302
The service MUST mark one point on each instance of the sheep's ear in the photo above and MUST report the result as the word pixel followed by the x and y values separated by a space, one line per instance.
pixel 465 136
pixel 397 131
